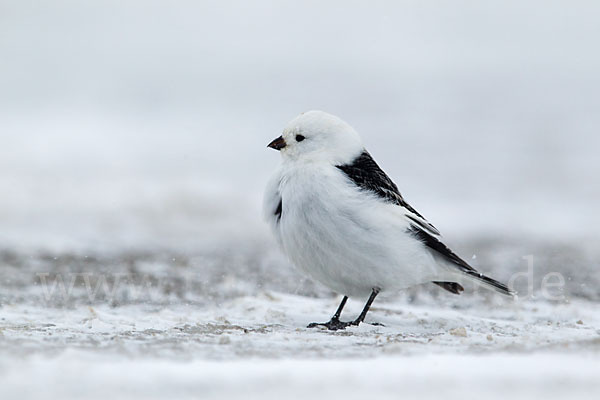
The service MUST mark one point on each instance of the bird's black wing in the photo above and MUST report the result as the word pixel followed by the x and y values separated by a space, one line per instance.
pixel 368 176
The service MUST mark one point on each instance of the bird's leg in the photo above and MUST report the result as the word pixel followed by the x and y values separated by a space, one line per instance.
pixel 334 324
pixel 365 310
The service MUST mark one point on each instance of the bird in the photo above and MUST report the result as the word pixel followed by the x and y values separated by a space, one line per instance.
pixel 342 221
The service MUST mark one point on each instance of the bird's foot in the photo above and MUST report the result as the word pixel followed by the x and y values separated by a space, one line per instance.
pixel 333 325
pixel 336 324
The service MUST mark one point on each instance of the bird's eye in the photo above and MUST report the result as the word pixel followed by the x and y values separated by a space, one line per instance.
pixel 299 138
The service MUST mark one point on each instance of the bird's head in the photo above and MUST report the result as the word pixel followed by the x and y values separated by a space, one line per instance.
pixel 318 136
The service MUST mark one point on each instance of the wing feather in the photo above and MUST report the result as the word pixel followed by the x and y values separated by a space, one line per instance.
pixel 367 175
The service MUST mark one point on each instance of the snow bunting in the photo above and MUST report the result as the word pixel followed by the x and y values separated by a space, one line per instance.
pixel 341 220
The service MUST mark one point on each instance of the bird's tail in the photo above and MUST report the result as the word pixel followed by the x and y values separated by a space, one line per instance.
pixel 489 282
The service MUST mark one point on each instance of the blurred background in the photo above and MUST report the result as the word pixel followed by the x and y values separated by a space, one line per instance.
pixel 133 133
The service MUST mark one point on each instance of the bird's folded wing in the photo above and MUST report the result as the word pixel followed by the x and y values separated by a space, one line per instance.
pixel 368 176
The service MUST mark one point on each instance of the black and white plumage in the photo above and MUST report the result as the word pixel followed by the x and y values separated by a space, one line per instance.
pixel 342 220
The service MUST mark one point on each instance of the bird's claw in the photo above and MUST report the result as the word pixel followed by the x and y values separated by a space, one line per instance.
pixel 332 325
pixel 336 324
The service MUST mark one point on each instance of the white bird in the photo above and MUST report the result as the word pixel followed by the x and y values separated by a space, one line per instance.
pixel 340 219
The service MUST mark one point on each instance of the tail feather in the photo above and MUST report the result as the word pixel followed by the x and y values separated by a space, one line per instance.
pixel 490 283
pixel 446 255
pixel 452 287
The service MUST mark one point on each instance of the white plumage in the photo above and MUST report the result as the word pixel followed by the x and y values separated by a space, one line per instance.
pixel 341 220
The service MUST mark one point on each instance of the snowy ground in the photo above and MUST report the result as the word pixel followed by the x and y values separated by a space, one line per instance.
pixel 258 347
pixel 160 332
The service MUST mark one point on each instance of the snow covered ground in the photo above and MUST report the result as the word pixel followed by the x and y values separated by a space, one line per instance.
pixel 133 258
pixel 257 347
pixel 149 329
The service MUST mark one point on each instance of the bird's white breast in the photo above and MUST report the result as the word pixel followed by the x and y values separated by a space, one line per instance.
pixel 341 236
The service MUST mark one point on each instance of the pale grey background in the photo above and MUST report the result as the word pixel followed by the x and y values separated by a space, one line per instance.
pixel 139 127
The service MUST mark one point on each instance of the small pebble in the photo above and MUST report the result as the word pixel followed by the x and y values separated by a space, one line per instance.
pixel 462 332
pixel 224 340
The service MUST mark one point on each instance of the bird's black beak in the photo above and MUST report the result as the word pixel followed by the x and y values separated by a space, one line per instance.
pixel 278 143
